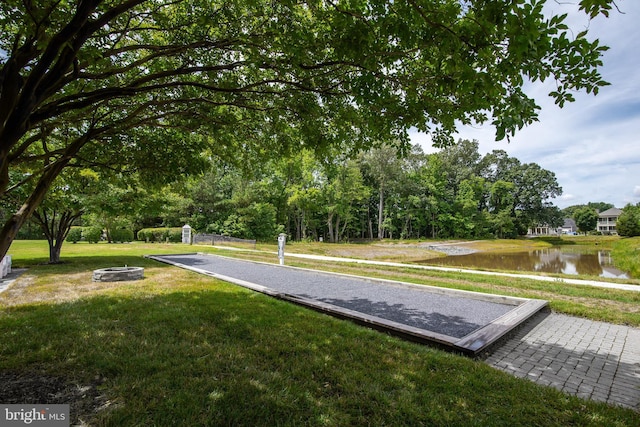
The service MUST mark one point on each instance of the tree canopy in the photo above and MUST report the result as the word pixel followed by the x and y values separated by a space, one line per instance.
pixel 111 82
pixel 628 224
pixel 341 200
pixel 586 219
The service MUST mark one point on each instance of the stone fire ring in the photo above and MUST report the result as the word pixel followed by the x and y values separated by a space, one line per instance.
pixel 118 274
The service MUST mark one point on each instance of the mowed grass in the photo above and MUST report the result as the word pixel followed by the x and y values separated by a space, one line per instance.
pixel 178 348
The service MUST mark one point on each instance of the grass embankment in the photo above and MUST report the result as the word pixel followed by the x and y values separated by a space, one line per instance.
pixel 626 253
pixel 182 349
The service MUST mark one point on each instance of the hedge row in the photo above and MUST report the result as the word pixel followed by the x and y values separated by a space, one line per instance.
pixel 94 234
pixel 88 234
pixel 121 235
pixel 173 234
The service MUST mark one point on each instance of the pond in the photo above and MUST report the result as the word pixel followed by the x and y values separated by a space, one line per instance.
pixel 553 260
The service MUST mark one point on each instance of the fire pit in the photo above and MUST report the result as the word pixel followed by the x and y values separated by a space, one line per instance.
pixel 118 274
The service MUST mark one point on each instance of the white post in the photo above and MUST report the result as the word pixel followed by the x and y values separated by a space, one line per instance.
pixel 186 234
pixel 5 266
pixel 282 238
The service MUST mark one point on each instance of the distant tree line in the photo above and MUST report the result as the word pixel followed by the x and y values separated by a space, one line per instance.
pixel 454 193
pixel 380 193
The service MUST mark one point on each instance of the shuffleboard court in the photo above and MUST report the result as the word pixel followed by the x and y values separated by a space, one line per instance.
pixel 463 321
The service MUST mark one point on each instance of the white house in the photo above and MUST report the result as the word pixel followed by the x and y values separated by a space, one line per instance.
pixel 607 221
pixel 569 226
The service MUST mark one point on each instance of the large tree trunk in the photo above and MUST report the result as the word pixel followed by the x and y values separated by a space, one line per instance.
pixel 370 223
pixel 344 228
pixel 16 221
pixel 333 231
pixel 330 227
pixel 303 225
pixel 297 224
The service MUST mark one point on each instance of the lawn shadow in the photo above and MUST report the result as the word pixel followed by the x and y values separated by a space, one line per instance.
pixel 214 354
pixel 453 326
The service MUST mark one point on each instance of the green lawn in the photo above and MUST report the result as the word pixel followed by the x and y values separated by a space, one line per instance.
pixel 182 349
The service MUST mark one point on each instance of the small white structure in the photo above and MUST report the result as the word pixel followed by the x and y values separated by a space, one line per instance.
pixel 5 266
pixel 186 234
pixel 282 239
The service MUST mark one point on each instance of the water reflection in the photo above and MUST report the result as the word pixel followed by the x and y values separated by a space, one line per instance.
pixel 543 260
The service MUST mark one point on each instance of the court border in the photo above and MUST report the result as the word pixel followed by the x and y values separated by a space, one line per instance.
pixel 471 345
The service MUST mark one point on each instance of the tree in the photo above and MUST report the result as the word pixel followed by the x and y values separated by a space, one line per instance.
pixel 468 217
pixel 260 220
pixel 342 193
pixel 535 186
pixel 598 206
pixel 500 209
pixel 304 196
pixel 586 219
pixel 628 224
pixel 383 165
pixel 207 199
pixel 77 77
pixel 113 204
pixel 552 216
pixel 433 179
pixel 64 204
pixel 460 162
pixel 525 188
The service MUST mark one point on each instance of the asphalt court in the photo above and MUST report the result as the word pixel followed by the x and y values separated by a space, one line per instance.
pixel 463 321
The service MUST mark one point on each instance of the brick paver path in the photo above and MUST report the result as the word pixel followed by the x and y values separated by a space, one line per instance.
pixel 592 360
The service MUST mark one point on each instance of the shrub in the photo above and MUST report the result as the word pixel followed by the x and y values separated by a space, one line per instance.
pixel 257 221
pixel 147 235
pixel 92 234
pixel 174 234
pixel 121 235
pixel 143 235
pixel 235 226
pixel 260 222
pixel 75 235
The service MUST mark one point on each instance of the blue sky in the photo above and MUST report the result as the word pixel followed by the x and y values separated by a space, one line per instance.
pixel 593 144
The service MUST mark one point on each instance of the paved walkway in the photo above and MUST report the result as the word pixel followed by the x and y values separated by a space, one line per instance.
pixel 593 360
pixel 6 281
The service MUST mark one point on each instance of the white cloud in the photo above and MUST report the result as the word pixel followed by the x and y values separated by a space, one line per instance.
pixel 591 145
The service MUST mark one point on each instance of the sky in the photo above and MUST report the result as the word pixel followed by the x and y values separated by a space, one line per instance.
pixel 592 145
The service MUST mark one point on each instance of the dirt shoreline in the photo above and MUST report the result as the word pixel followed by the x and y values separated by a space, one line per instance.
pixel 449 249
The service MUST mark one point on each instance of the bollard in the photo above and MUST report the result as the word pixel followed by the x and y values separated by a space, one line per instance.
pixel 282 238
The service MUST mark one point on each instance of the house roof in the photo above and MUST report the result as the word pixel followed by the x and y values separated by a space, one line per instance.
pixel 611 212
pixel 569 223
